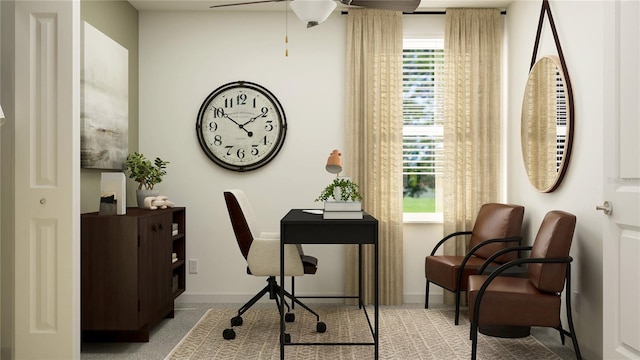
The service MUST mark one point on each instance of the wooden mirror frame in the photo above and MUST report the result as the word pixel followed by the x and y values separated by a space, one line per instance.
pixel 553 171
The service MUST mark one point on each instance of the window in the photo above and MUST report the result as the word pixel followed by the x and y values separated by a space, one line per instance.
pixel 423 103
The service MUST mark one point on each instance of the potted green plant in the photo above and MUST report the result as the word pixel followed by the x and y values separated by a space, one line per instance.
pixel 146 173
pixel 341 200
pixel 341 189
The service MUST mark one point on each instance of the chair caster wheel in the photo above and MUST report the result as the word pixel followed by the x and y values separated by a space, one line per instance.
pixel 289 317
pixel 229 334
pixel 236 321
pixel 321 327
pixel 287 338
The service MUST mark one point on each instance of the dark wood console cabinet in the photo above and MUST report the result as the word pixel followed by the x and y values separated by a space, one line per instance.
pixel 129 281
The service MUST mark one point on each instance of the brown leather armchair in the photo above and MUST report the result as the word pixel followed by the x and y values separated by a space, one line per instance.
pixel 496 300
pixel 497 226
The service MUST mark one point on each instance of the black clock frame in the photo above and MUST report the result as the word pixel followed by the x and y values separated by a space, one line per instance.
pixel 279 142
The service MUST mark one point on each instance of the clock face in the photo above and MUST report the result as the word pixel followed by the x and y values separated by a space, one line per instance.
pixel 241 126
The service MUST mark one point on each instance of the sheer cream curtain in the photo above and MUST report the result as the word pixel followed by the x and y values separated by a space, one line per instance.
pixel 374 143
pixel 472 134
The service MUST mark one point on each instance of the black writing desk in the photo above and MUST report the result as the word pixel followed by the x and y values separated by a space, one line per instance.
pixel 299 227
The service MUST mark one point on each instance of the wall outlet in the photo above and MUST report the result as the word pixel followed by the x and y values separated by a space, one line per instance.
pixel 193 266
pixel 575 301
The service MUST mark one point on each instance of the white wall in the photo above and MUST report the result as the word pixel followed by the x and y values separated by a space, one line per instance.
pixel 184 57
pixel 580 27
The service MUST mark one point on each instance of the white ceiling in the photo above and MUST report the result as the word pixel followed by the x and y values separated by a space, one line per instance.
pixel 203 5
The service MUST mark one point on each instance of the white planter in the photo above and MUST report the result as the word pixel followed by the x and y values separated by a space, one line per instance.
pixel 142 194
pixel 342 205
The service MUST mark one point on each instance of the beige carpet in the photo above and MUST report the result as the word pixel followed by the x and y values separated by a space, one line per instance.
pixel 405 333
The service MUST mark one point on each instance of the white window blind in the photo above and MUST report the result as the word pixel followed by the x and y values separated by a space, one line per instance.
pixel 423 102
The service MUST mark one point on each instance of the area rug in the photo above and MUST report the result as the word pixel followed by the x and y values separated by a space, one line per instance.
pixel 405 333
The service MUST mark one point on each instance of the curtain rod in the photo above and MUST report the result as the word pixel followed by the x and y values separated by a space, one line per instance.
pixel 503 12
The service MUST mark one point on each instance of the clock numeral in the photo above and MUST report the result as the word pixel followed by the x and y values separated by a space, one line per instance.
pixel 218 112
pixel 239 153
pixel 264 111
pixel 213 126
pixel 254 150
pixel 268 126
pixel 228 103
pixel 217 140
pixel 264 140
pixel 241 99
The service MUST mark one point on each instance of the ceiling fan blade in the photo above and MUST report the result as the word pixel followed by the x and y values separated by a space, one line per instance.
pixel 244 3
pixel 407 6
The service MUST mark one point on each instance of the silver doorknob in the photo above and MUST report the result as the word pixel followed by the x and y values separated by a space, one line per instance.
pixel 606 207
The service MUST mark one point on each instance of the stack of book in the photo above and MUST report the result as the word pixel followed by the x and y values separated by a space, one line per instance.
pixel 342 210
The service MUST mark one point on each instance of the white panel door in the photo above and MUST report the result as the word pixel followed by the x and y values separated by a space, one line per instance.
pixel 621 238
pixel 47 167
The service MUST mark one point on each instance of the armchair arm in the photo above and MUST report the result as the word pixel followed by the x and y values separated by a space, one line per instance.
pixel 475 248
pixel 264 258
pixel 466 259
pixel 435 248
pixel 501 269
pixel 497 254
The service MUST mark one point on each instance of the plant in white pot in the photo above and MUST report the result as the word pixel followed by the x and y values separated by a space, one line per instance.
pixel 146 173
pixel 341 200
pixel 341 189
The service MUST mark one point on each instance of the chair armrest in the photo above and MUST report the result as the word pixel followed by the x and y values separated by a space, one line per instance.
pixel 502 268
pixel 475 248
pixel 276 235
pixel 499 253
pixel 452 235
pixel 264 258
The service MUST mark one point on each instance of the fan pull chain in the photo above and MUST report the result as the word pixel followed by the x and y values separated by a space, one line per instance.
pixel 286 31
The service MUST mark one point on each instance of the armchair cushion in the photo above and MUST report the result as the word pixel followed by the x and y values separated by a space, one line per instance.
pixel 514 301
pixel 443 270
pixel 556 225
pixel 496 221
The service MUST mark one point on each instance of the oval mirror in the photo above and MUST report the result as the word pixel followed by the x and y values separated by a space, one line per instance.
pixel 546 124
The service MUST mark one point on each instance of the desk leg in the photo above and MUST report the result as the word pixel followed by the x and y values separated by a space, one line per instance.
pixel 360 276
pixel 282 329
pixel 376 337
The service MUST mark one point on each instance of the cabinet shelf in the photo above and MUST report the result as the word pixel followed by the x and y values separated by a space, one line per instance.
pixel 178 264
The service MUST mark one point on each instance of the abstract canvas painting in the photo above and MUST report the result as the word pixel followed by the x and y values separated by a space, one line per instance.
pixel 105 101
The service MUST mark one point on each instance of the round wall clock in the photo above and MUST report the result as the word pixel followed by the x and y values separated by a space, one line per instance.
pixel 241 126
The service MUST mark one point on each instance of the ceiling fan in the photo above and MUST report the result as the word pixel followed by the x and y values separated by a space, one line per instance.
pixel 314 12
